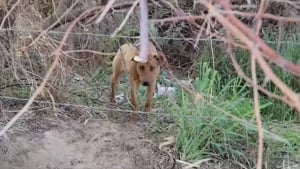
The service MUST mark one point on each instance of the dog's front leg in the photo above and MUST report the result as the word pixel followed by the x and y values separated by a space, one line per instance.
pixel 133 92
pixel 114 80
pixel 150 92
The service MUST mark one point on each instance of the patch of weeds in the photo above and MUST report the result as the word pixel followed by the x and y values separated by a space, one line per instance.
pixel 101 74
pixel 290 49
pixel 18 91
pixel 206 131
pixel 203 131
pixel 278 152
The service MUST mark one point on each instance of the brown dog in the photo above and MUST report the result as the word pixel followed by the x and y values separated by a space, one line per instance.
pixel 139 73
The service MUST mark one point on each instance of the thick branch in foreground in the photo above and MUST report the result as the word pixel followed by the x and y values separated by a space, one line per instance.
pixel 144 31
pixel 268 52
pixel 250 42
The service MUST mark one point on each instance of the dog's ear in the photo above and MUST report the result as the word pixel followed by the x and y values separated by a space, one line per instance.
pixel 135 58
pixel 138 59
pixel 132 59
pixel 161 59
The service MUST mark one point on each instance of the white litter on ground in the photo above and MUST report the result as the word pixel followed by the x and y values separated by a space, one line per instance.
pixel 120 99
pixel 165 91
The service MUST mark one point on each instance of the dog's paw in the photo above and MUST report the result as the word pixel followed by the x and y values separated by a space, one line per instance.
pixel 112 100
pixel 147 108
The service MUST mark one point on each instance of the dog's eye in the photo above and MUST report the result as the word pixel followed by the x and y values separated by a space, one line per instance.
pixel 142 67
pixel 156 58
pixel 151 68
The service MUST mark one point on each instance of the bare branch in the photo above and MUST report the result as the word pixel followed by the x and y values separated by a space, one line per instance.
pixel 65 13
pixel 126 18
pixel 9 13
pixel 143 56
pixel 56 54
pixel 256 107
pixel 105 11
pixel 268 52
pixel 258 17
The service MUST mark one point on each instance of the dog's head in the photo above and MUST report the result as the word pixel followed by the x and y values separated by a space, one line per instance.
pixel 149 71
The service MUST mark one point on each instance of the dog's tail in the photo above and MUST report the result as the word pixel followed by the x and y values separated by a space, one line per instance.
pixel 108 63
pixel 108 60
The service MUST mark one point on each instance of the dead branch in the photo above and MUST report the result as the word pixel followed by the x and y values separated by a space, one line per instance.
pixel 292 97
pixel 8 14
pixel 268 52
pixel 56 54
pixel 242 74
pixel 264 16
pixel 93 16
pixel 64 17
pixel 254 55
pixel 143 25
pixel 238 13
pixel 125 19
pixel 90 15
pixel 144 37
pixel 105 11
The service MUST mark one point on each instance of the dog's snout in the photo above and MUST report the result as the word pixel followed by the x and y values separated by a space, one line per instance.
pixel 145 83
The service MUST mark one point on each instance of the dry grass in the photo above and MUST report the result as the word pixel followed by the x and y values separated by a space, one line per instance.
pixel 44 74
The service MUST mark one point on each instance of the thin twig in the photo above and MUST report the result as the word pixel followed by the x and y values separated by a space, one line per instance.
pixel 157 112
pixel 9 13
pixel 239 13
pixel 96 16
pixel 197 164
pixel 254 54
pixel 256 108
pixel 292 97
pixel 264 16
pixel 125 19
pixel 50 27
pixel 90 51
pixel 267 51
pixel 241 73
pixel 258 17
pixel 105 11
pixel 138 37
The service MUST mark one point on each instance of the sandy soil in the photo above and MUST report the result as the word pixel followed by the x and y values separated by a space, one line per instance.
pixel 53 143
pixel 42 140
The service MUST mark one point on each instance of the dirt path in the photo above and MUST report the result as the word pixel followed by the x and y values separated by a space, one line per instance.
pixel 42 140
pixel 99 144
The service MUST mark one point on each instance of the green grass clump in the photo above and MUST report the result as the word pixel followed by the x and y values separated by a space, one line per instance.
pixel 203 131
pixel 222 126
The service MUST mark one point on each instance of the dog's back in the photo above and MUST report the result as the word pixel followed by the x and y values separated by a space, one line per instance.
pixel 127 51
pixel 124 56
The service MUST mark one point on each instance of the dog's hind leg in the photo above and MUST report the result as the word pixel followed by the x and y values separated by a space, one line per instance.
pixel 117 72
pixel 113 84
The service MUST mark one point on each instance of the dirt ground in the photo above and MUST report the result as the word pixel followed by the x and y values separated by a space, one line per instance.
pixel 98 144
pixel 75 138
pixel 44 141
